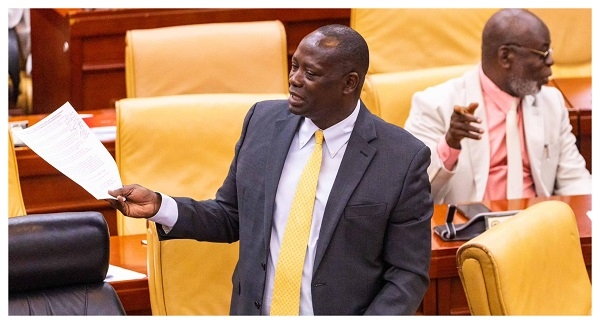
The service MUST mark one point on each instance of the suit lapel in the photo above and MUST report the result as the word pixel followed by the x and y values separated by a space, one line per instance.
pixel 534 138
pixel 281 139
pixel 357 158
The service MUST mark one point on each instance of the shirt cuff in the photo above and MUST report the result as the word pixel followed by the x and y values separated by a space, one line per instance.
pixel 167 213
pixel 448 155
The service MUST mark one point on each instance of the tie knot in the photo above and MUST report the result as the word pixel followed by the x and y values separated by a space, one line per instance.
pixel 319 137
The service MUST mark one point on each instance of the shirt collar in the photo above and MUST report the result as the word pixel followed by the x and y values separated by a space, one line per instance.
pixel 335 136
pixel 502 99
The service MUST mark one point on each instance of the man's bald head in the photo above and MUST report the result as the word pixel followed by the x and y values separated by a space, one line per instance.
pixel 508 26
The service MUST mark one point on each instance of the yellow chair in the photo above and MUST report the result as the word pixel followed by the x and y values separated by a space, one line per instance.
pixel 182 146
pixel 237 57
pixel 389 95
pixel 530 264
pixel 16 205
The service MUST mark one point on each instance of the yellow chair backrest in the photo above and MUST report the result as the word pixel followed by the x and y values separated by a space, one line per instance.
pixel 16 205
pixel 389 95
pixel 236 57
pixel 571 36
pixel 530 264
pixel 411 39
pixel 182 146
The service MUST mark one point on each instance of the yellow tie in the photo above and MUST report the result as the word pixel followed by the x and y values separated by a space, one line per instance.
pixel 288 272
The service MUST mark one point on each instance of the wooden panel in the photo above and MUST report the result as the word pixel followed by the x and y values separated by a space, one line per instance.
pixel 128 252
pixel 134 296
pixel 577 93
pixel 50 69
pixel 110 81
pixel 99 51
pixel 429 304
pixel 585 136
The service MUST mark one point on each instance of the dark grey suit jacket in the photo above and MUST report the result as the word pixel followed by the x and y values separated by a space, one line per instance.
pixel 374 247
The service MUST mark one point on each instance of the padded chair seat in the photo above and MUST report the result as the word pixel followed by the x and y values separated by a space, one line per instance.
pixel 91 300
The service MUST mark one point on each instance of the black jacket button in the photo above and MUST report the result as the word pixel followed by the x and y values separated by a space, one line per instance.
pixel 257 305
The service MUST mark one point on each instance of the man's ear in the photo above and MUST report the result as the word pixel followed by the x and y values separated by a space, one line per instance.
pixel 352 80
pixel 505 56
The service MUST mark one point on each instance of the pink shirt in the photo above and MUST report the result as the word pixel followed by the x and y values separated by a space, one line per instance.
pixel 497 104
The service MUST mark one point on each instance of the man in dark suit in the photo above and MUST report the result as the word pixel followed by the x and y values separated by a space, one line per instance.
pixel 369 247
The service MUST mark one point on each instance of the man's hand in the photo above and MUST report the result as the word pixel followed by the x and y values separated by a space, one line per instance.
pixel 461 127
pixel 135 201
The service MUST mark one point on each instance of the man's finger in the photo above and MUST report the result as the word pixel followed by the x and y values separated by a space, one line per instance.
pixel 470 109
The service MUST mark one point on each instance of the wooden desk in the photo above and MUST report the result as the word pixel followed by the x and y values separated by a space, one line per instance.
pixel 46 190
pixel 578 98
pixel 128 252
pixel 577 91
pixel 445 295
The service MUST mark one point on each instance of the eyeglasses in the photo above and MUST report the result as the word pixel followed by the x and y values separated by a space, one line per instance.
pixel 544 55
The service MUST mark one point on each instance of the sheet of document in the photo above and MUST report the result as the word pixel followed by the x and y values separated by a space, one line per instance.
pixel 66 142
pixel 120 274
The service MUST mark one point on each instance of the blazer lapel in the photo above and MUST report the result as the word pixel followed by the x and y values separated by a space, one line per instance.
pixel 534 138
pixel 281 139
pixel 357 158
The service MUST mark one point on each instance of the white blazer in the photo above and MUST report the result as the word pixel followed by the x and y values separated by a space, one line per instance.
pixel 557 167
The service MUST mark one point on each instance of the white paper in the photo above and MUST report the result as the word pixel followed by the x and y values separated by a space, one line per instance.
pixel 105 133
pixel 120 274
pixel 66 142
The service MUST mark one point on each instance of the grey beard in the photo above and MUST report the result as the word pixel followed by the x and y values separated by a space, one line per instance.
pixel 522 87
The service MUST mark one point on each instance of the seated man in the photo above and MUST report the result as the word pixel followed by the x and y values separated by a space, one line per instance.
pixel 515 65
